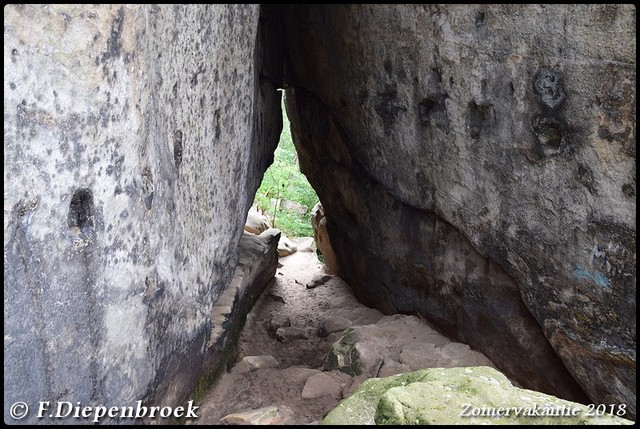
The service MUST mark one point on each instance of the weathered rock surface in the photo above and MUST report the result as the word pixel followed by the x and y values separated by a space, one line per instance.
pixel 251 363
pixel 290 333
pixel 321 237
pixel 135 137
pixel 325 384
pixel 286 246
pixel 318 279
pixel 271 415
pixel 394 340
pixel 333 324
pixel 279 321
pixel 256 223
pixel 476 164
pixel 453 396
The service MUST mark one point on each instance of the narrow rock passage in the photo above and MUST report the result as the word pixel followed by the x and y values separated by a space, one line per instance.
pixel 278 375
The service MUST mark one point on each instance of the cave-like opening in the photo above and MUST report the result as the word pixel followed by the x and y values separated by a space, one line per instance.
pixel 285 196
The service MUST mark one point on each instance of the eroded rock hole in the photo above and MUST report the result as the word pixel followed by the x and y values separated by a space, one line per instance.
pixel 177 148
pixel 81 212
pixel 547 84
pixel 548 131
pixel 479 114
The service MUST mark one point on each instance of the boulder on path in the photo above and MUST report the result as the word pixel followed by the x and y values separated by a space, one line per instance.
pixel 271 415
pixel 279 321
pixel 451 396
pixel 406 340
pixel 286 246
pixel 290 333
pixel 325 384
pixel 318 279
pixel 333 324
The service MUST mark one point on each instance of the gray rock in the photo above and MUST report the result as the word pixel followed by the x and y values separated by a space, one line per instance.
pixel 391 367
pixel 276 296
pixel 318 279
pixel 271 415
pixel 324 384
pixel 133 158
pixel 333 324
pixel 251 363
pixel 291 333
pixel 279 321
pixel 364 350
pixel 305 244
pixel 286 247
pixel 479 185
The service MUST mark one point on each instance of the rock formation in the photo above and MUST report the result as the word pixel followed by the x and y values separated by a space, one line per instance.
pixel 135 137
pixel 477 166
pixel 321 237
pixel 477 395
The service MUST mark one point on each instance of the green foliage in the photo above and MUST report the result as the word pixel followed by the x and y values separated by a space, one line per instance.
pixel 285 196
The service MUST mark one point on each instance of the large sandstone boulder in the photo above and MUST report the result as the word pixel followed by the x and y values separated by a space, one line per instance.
pixel 476 164
pixel 135 137
pixel 461 396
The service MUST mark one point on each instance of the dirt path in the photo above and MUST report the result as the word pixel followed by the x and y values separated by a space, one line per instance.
pixel 293 388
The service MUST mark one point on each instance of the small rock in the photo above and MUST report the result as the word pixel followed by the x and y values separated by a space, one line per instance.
pixel 251 363
pixel 256 223
pixel 262 416
pixel 333 324
pixel 318 279
pixel 391 367
pixel 290 333
pixel 279 321
pixel 321 384
pixel 286 247
pixel 454 350
pixel 276 296
pixel 305 244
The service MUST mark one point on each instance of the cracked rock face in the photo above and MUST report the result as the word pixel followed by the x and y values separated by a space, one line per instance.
pixel 135 138
pixel 477 165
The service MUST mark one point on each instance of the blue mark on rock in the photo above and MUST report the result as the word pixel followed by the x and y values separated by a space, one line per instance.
pixel 598 278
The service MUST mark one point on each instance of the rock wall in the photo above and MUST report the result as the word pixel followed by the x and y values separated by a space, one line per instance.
pixel 477 166
pixel 135 137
